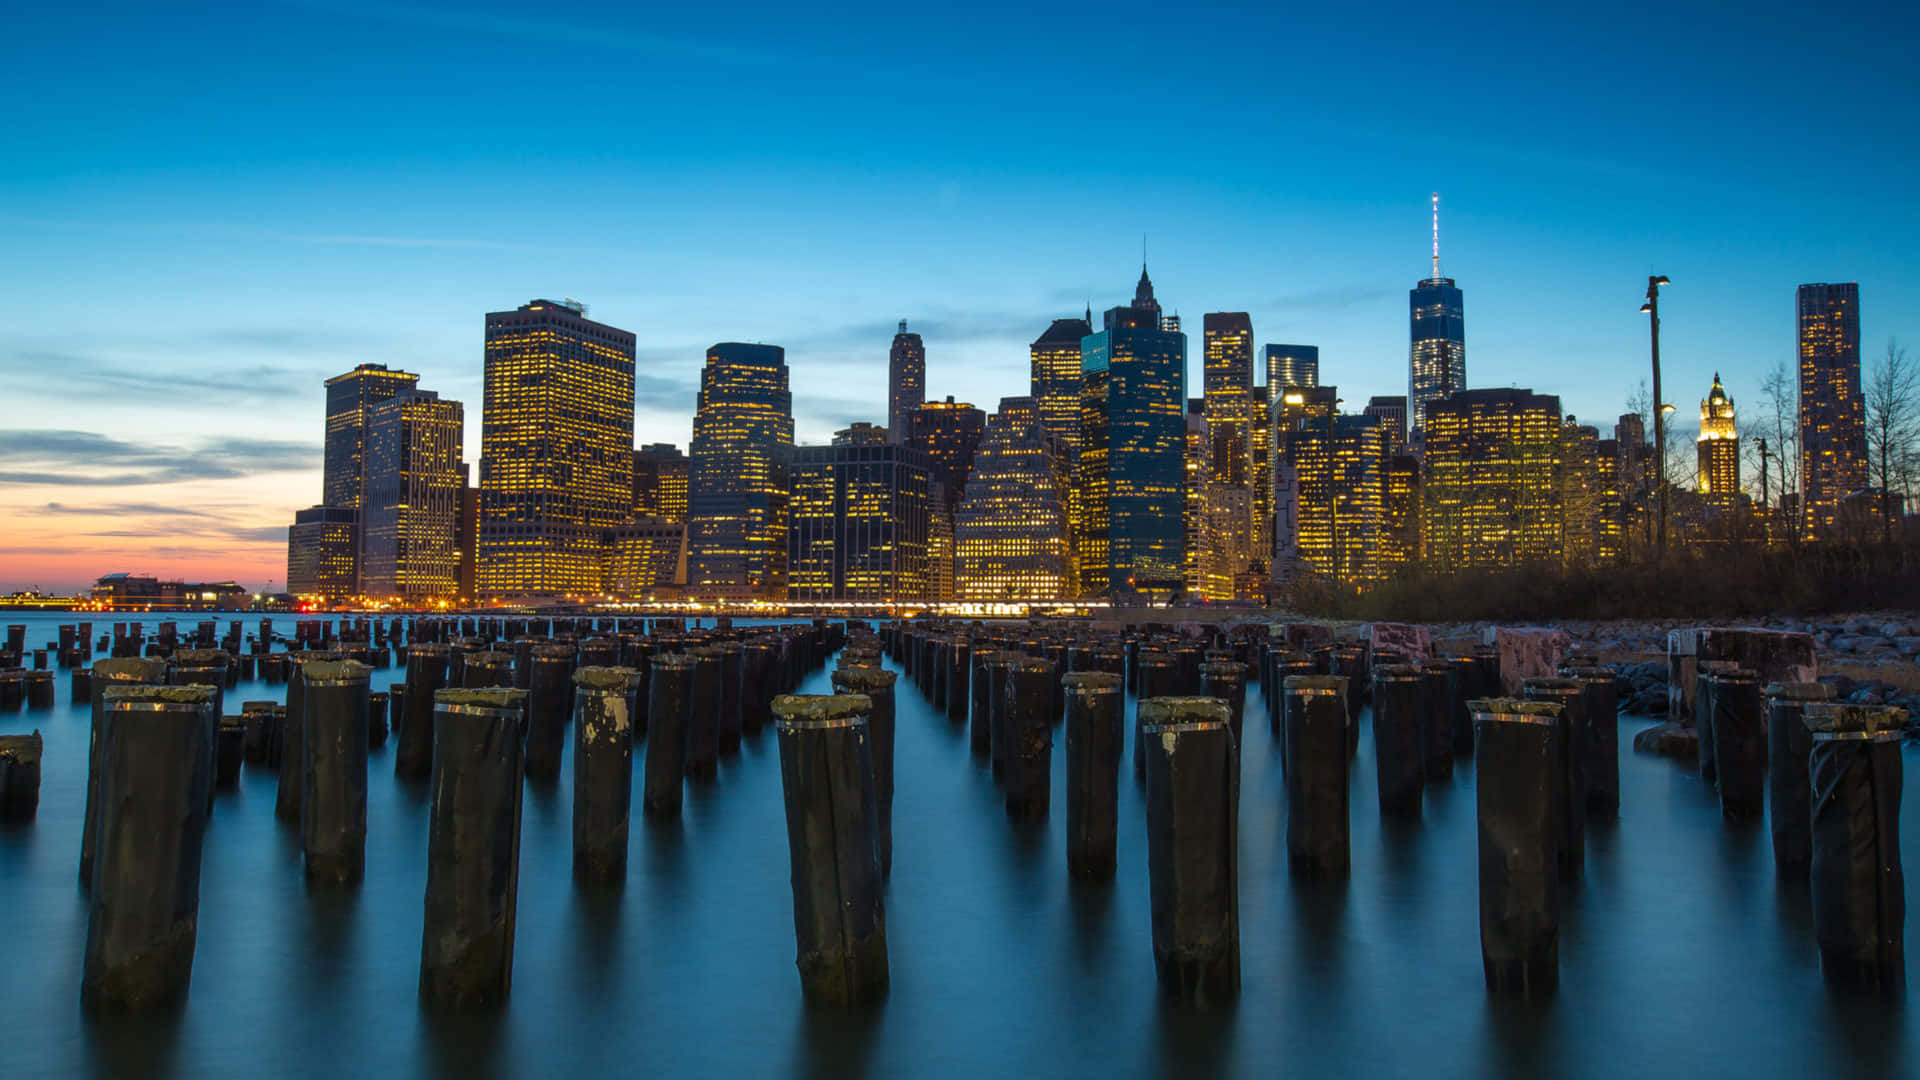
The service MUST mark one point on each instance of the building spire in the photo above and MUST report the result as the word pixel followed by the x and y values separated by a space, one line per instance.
pixel 1436 236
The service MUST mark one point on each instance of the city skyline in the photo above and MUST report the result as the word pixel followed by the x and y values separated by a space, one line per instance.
pixel 197 290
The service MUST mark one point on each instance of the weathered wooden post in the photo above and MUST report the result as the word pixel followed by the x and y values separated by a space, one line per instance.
pixel 1789 746
pixel 1739 742
pixel 877 684
pixel 1193 825
pixel 1095 740
pixel 333 769
pixel 473 847
pixel 1029 759
pixel 1315 763
pixel 602 772
pixel 1859 891
pixel 156 777
pixel 20 776
pixel 426 676
pixel 549 695
pixel 1399 706
pixel 826 775
pixel 1517 769
pixel 669 694
pixel 1602 707
pixel 126 671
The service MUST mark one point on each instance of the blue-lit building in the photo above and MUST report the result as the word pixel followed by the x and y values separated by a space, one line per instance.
pixel 1292 365
pixel 1437 360
pixel 1132 470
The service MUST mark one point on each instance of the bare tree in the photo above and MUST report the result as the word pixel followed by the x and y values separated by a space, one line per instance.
pixel 1780 396
pixel 1891 395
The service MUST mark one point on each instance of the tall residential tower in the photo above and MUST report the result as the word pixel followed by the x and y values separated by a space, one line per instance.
pixel 737 490
pixel 906 381
pixel 1833 429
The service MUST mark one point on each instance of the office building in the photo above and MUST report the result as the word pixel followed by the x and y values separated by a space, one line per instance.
pixel 1132 461
pixel 1392 412
pixel 859 521
pixel 1718 448
pixel 1338 476
pixel 349 397
pixel 1400 516
pixel 1011 528
pixel 737 490
pixel 1833 429
pixel 322 548
pixel 410 542
pixel 660 482
pixel 1293 365
pixel 646 559
pixel 1055 381
pixel 556 449
pixel 948 433
pixel 906 380
pixel 1493 493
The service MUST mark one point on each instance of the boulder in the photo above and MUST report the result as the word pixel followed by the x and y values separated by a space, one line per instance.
pixel 1526 652
pixel 1668 740
pixel 1406 641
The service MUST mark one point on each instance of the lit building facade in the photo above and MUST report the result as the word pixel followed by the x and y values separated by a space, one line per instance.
pixel 1833 429
pixel 646 559
pixel 737 490
pixel 1132 460
pixel 1338 473
pixel 1055 382
pixel 322 545
pixel 1197 468
pixel 1260 476
pixel 556 449
pixel 906 380
pixel 1611 511
pixel 948 432
pixel 1493 493
pixel 1228 388
pixel 660 482
pixel 1011 529
pixel 1718 448
pixel 1581 502
pixel 1400 516
pixel 410 542
pixel 859 522
pixel 1392 412
pixel 1293 365
pixel 349 396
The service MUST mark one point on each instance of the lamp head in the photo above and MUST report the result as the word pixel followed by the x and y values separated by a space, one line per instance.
pixel 1661 280
pixel 1646 309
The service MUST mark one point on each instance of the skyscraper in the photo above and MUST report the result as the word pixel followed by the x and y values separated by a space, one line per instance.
pixel 859 521
pixel 556 449
pixel 660 482
pixel 906 381
pixel 948 432
pixel 1438 358
pixel 1010 536
pixel 737 492
pixel 349 397
pixel 1493 487
pixel 1055 383
pixel 1338 469
pixel 1833 430
pixel 1719 449
pixel 1392 411
pixel 410 542
pixel 1293 365
pixel 1131 465
pixel 322 548
pixel 1228 387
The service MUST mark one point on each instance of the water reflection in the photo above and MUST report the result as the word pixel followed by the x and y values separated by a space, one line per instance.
pixel 832 1044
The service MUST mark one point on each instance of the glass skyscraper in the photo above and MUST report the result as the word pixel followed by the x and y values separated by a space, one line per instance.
pixel 859 522
pixel 1055 384
pixel 1833 429
pixel 737 488
pixel 1493 484
pixel 1132 461
pixel 556 449
pixel 1292 365
pixel 1438 359
pixel 349 397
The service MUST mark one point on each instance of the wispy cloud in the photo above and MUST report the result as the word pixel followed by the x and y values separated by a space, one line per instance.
pixel 62 372
pixel 67 458
pixel 116 510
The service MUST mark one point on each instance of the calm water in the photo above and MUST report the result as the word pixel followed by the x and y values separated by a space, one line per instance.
pixel 1680 953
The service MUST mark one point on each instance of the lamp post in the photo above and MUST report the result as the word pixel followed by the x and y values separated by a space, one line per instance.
pixel 1660 411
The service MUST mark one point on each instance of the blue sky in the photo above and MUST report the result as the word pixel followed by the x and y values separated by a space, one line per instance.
pixel 208 209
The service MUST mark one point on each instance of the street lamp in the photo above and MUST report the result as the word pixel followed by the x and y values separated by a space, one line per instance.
pixel 1652 308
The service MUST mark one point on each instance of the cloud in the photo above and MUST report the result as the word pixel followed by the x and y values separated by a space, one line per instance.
pixel 68 458
pixel 118 510
pixel 59 372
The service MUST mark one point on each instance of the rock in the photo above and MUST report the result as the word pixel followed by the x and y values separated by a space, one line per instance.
pixel 1668 740
pixel 1527 652
pixel 1908 646
pixel 1895 629
pixel 1405 640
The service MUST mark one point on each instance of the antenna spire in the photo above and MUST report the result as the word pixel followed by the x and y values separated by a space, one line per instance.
pixel 1436 236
